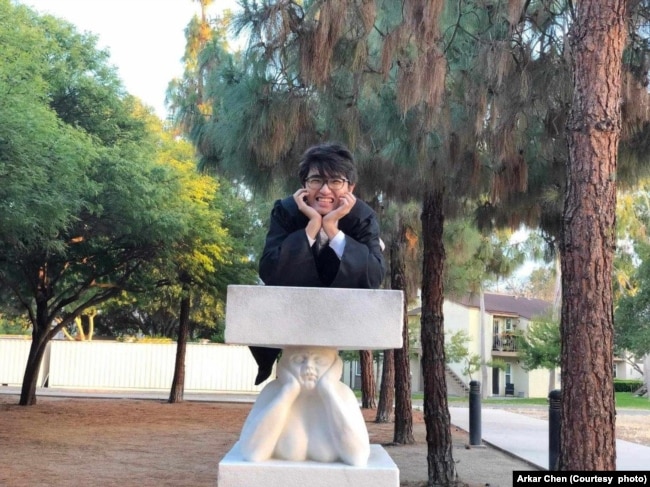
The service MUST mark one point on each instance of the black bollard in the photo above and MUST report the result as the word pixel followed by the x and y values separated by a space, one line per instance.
pixel 554 405
pixel 474 413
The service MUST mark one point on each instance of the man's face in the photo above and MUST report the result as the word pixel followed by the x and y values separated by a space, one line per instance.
pixel 309 364
pixel 325 191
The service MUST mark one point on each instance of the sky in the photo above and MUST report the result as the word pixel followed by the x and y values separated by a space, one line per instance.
pixel 145 38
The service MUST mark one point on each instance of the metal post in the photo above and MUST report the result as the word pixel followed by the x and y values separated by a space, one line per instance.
pixel 554 406
pixel 474 413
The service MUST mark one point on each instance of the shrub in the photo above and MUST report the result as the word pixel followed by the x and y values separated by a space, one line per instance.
pixel 627 385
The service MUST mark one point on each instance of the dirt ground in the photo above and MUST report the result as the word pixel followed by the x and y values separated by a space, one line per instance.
pixel 106 442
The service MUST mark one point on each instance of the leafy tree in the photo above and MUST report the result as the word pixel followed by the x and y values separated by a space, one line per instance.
pixel 540 346
pixel 456 351
pixel 192 262
pixel 208 258
pixel 78 327
pixel 632 332
pixel 540 284
pixel 13 327
pixel 633 218
pixel 84 203
pixel 534 103
pixel 473 110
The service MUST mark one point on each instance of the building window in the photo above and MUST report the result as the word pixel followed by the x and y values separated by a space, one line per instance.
pixel 508 324
pixel 508 373
pixel 495 326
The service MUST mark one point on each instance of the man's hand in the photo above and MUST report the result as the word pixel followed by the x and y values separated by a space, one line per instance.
pixel 315 219
pixel 331 220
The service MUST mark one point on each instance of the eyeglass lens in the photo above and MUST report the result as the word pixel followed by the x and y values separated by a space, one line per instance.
pixel 333 183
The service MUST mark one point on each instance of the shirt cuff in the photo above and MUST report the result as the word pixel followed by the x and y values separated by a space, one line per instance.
pixel 311 240
pixel 338 243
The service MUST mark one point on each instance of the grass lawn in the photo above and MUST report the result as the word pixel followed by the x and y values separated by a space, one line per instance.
pixel 624 400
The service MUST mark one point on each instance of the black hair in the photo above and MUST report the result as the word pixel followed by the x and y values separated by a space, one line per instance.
pixel 329 159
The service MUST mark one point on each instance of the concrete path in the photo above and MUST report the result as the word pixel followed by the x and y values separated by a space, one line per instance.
pixel 527 438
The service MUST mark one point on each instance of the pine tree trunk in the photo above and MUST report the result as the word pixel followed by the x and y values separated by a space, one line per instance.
pixel 178 384
pixel 441 466
pixel 403 433
pixel 387 389
pixel 588 439
pixel 368 386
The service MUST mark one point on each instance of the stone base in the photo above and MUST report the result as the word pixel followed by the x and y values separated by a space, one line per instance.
pixel 381 471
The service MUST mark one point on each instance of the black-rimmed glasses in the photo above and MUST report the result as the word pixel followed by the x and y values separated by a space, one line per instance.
pixel 317 182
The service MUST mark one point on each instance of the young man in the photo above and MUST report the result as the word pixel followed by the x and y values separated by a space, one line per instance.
pixel 322 235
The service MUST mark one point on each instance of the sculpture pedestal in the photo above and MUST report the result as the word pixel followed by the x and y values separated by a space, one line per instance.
pixel 306 413
pixel 234 471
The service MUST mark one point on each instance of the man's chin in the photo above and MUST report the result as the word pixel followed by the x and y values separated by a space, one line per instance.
pixel 324 210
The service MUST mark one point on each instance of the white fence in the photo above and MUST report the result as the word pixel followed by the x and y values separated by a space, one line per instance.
pixel 110 365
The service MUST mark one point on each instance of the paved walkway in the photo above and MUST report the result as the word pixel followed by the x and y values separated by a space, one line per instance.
pixel 527 438
pixel 517 434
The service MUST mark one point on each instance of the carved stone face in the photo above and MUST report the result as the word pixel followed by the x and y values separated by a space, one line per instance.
pixel 309 364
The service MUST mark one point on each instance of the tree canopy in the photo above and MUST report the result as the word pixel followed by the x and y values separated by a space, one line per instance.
pixel 632 332
pixel 96 200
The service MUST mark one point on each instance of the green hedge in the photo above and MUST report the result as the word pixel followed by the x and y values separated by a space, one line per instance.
pixel 627 385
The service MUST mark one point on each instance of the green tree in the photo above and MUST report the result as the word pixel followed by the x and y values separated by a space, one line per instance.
pixel 632 220
pixel 208 258
pixel 456 351
pixel 431 111
pixel 364 76
pixel 534 102
pixel 540 346
pixel 632 317
pixel 84 204
pixel 193 261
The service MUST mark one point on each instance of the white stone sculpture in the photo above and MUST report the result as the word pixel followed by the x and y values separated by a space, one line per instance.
pixel 306 427
pixel 307 413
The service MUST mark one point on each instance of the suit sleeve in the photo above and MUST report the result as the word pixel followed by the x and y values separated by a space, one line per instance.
pixel 287 259
pixel 362 264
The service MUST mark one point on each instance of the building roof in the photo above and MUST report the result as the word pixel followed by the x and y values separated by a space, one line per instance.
pixel 503 304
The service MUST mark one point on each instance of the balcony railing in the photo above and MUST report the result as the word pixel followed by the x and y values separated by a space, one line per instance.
pixel 505 342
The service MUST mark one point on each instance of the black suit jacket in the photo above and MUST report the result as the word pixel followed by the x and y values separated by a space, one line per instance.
pixel 288 260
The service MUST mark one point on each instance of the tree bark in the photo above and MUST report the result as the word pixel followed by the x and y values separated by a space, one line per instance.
pixel 33 367
pixel 441 466
pixel 368 386
pixel 387 389
pixel 40 339
pixel 403 432
pixel 597 39
pixel 178 384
